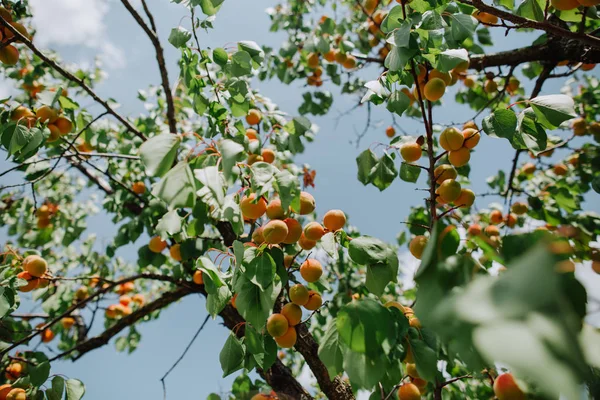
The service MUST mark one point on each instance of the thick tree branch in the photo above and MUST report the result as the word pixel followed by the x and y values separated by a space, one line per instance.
pixel 71 78
pixel 160 58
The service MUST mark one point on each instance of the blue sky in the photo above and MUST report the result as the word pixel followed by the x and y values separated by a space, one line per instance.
pixel 80 31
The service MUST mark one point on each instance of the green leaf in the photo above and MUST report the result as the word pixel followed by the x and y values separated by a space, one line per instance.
pixel 366 250
pixel 409 173
pixel 462 27
pixel 425 359
pixel 169 224
pixel 209 7
pixel 232 213
pixel 298 126
pixel 220 56
pixel 330 351
pixel 401 36
pixel 254 304
pixel 75 389
pixel 366 161
pixel 531 9
pixel 392 20
pixel 288 187
pixel 501 123
pixel 39 373
pixel 20 137
pixel 398 102
pixel 531 133
pixel 6 301
pixel 179 36
pixel 398 57
pixel 379 276
pixel 241 63
pixel 263 177
pixel 365 326
pixel 261 270
pixel 364 371
pixel 211 179
pixel 57 389
pixel 431 20
pixel 232 355
pixel 556 108
pixel 216 302
pixel 211 274
pixel 177 188
pixel 256 53
pixel 449 59
pixel 384 172
pixel 231 152
pixel 158 153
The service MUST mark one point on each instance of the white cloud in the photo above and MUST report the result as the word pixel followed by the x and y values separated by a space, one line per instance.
pixel 76 23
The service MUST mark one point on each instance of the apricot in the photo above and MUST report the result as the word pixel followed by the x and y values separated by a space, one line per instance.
pixel 277 325
pixel 175 252
pixel 4 13
pixel 64 125
pixel 506 388
pixel 288 259
pixel 35 265
pixel 138 299
pixel 410 152
pixel 251 134
pixel 511 220
pixel 564 5
pixel 125 288
pixel 275 231
pixel 350 62
pixel 485 18
pixel 81 293
pixel 9 55
pixel 471 125
pixel 138 187
pixel 298 294
pixel 67 322
pixel 470 81
pixel 123 310
pixel 294 231
pixel 340 57
pixel 257 236
pixel 451 139
pixel 84 147
pixel 579 126
pixel 46 114
pixel 4 390
pixel 268 155
pixel 390 132
pixel 528 168
pixel 47 335
pixel 421 72
pixel 449 190
pixel 292 313
pixel 596 266
pixel 472 138
pixel 474 230
pixel 54 133
pixel 275 210
pixel 417 246
pixel 314 231
pixel 587 66
pixel 111 311
pixel 254 158
pixel 444 172
pixel 251 209
pixel 560 169
pixel 288 339
pixel 334 220
pixel 32 282
pixel 306 244
pixel 312 60
pixel 414 322
pixel 17 394
pixel 254 117
pixel 496 217
pixel 434 89
pixel 311 270
pixel 466 198
pixel 409 391
pixel 492 230
pixel 21 112
pixel 411 370
pixel 14 371
pixel 490 86
pixel 315 301
pixel 519 208
pixel 421 384
pixel 513 84
pixel 459 157
pixel 157 245
pixel 21 29
pixel 329 56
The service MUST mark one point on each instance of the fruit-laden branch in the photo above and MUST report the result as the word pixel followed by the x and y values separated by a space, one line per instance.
pixel 522 22
pixel 160 58
pixel 71 78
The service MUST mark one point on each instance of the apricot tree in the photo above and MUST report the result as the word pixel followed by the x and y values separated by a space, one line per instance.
pixel 208 175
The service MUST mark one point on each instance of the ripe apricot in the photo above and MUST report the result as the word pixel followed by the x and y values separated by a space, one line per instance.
pixel 312 60
pixel 528 168
pixel 251 134
pixel 496 217
pixel 64 125
pixel 197 277
pixel 409 391
pixel 519 208
pixel 268 155
pixel 32 282
pixel 334 220
pixel 513 84
pixel 257 236
pixel 294 231
pixel 510 220
pixel 449 190
pixel 350 62
pixel 254 117
pixel 306 244
pixel 299 294
pixel 565 5
pixel 472 138
pixel 21 29
pixel 421 72
pixel 67 322
pixel 485 18
pixel 434 89
pixel 81 293
pixel 254 158
pixel 444 76
pixel 474 230
pixel 311 270
pixel 414 322
pixel 471 125
pixel 4 13
pixel 390 132
pixel 490 86
pixel 288 259
pixel 111 311
pixel 251 209
pixel 470 81
pixel 157 245
pixel 451 139
pixel 9 55
pixel 340 57
pixel 277 325
pixel 275 210
pixel 125 288
pixel 175 252
pixel 410 152
pixel 411 370
pixel 314 231
pixel 596 266
pixel 47 335
pixel 417 246
pixel 459 157
pixel 292 313
pixel 315 301
pixel 506 388
pixel 54 133
pixel 84 147
pixel 46 114
pixel 587 66
pixel 16 394
pixel 288 339
pixel 138 187
pixel 560 169
pixel 492 230
pixel 307 203
pixel 14 371
pixel 4 390
pixel 35 265
pixel 330 56
pixel 466 198
pixel 444 172
pixel 21 112
pixel 275 231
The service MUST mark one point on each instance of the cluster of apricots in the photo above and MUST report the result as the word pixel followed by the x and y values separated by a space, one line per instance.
pixel 9 54
pixel 45 214
pixel 126 301
pixel 282 326
pixel 58 124
pixel 35 272
pixel 267 155
pixel 581 127
pixel 7 392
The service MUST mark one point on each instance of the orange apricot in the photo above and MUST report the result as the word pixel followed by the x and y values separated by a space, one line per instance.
pixel 294 231
pixel 64 125
pixel 32 282
pixel 560 169
pixel 254 117
pixel 410 152
pixel 9 55
pixel 268 155
pixel 390 132
pixel 474 230
pixel 138 187
pixel 125 288
pixel 4 390
pixel 449 190
pixel 67 322
pixel 175 252
pixel 288 259
pixel 277 325
pixel 565 5
pixel 292 313
pixel 54 133
pixel 334 220
pixel 496 217
pixel 314 231
pixel 417 246
pixel 490 86
pixel 311 270
pixel 444 172
pixel 506 388
pixel 434 89
pixel 275 231
pixel 307 203
pixel 465 199
pixel 46 114
pixel 485 18
pixel 315 301
pixel 251 209
pixel 459 157
pixel 528 168
pixel 275 210
pixel 14 371
pixel 451 139
pixel 472 137
pixel 492 230
pixel 138 299
pixel 299 294
pixel 312 60
pixel 157 245
pixel 35 265
pixel 409 391
pixel 329 56
pixel 17 394
pixel 197 278
pixel 288 339
pixel 257 236
pixel 251 134
pixel 510 220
